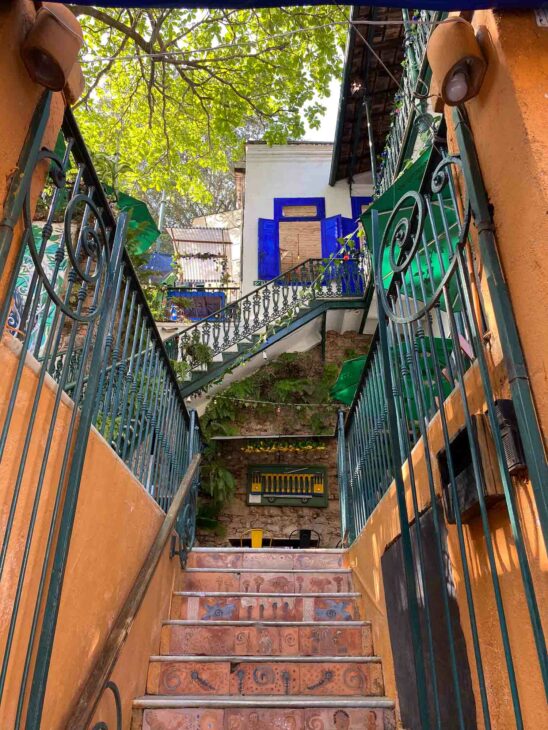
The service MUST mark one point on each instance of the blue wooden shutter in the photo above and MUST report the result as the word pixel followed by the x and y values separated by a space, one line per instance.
pixel 331 230
pixel 269 249
pixel 349 225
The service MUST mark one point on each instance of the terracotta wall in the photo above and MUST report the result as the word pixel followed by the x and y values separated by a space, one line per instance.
pixel 116 522
pixel 508 120
pixel 18 99
pixel 238 517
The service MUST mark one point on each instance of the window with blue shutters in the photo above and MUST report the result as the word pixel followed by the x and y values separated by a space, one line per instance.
pixel 269 250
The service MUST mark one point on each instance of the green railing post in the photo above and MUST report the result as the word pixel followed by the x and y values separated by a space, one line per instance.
pixel 395 456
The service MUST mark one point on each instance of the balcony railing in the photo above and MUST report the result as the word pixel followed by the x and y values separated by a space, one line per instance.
pixel 410 117
pixel 276 301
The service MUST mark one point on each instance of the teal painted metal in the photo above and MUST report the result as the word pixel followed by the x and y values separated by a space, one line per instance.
pixel 216 369
pixel 279 302
pixel 75 453
pixel 410 116
pixel 76 313
pixel 394 456
pixel 429 335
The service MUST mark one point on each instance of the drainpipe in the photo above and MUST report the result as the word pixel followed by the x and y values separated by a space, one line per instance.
pixel 161 218
pixel 514 359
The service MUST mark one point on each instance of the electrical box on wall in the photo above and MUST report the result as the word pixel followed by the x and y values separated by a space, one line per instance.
pixel 463 471
pixel 287 486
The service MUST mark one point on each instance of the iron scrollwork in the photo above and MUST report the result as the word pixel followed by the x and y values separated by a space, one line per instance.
pixel 101 725
pixel 410 248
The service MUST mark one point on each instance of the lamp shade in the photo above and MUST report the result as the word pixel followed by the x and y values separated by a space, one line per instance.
pixel 456 60
pixel 51 47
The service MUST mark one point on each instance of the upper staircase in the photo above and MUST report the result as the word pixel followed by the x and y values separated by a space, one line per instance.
pixel 265 639
pixel 267 314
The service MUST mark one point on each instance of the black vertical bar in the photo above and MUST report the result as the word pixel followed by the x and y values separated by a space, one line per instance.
pixel 51 609
pixel 395 455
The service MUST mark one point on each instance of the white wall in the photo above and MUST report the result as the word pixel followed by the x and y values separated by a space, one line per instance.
pixel 287 171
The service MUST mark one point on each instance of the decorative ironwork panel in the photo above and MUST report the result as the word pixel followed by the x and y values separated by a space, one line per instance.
pixel 76 318
pixel 287 485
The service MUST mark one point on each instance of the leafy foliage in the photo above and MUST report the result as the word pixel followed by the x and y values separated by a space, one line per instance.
pixel 175 91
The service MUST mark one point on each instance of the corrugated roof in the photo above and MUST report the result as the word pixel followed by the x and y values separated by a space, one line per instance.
pixel 199 235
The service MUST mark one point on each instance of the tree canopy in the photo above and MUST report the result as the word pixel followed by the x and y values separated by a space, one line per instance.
pixel 173 93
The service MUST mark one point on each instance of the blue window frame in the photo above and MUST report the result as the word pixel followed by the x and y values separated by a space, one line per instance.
pixel 357 202
pixel 281 203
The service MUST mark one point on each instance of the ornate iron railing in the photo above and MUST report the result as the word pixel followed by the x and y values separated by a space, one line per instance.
pixel 410 116
pixel 281 299
pixel 401 431
pixel 76 323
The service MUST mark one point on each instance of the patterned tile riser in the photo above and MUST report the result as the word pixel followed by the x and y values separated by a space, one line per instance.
pixel 264 678
pixel 264 560
pixel 218 582
pixel 274 641
pixel 269 719
pixel 283 608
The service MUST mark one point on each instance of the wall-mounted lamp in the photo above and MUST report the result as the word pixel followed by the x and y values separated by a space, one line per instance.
pixel 456 60
pixel 51 47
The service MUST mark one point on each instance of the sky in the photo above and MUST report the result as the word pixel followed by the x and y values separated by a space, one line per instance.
pixel 326 132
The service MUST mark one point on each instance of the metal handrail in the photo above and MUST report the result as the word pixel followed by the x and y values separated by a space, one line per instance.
pixel 414 87
pixel 313 279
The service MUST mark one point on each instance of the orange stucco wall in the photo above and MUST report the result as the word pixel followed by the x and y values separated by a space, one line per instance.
pixel 508 120
pixel 115 524
pixel 383 528
pixel 18 99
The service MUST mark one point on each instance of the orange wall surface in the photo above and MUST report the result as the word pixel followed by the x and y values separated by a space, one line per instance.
pixel 509 119
pixel 116 522
pixel 18 99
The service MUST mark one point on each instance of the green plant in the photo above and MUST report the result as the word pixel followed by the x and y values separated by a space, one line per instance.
pixel 199 353
pixel 181 369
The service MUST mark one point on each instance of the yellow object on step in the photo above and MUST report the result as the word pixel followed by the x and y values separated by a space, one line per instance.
pixel 256 538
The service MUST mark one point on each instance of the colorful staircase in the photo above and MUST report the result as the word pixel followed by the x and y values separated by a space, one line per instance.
pixel 263 639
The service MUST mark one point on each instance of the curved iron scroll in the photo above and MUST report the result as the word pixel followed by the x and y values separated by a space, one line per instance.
pixel 101 725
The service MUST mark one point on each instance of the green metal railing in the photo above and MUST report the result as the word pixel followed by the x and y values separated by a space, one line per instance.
pixel 410 116
pixel 76 317
pixel 280 300
pixel 432 323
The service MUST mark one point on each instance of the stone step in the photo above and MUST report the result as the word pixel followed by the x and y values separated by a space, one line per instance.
pixel 265 558
pixel 265 606
pixel 268 640
pixel 340 676
pixel 252 580
pixel 263 713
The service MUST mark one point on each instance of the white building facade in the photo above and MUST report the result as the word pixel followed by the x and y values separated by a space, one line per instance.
pixel 291 213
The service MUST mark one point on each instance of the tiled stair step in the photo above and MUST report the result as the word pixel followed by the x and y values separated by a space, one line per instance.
pixel 340 676
pixel 267 639
pixel 265 606
pixel 251 580
pixel 272 558
pixel 264 713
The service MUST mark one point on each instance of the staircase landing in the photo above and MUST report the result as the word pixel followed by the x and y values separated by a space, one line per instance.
pixel 261 639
